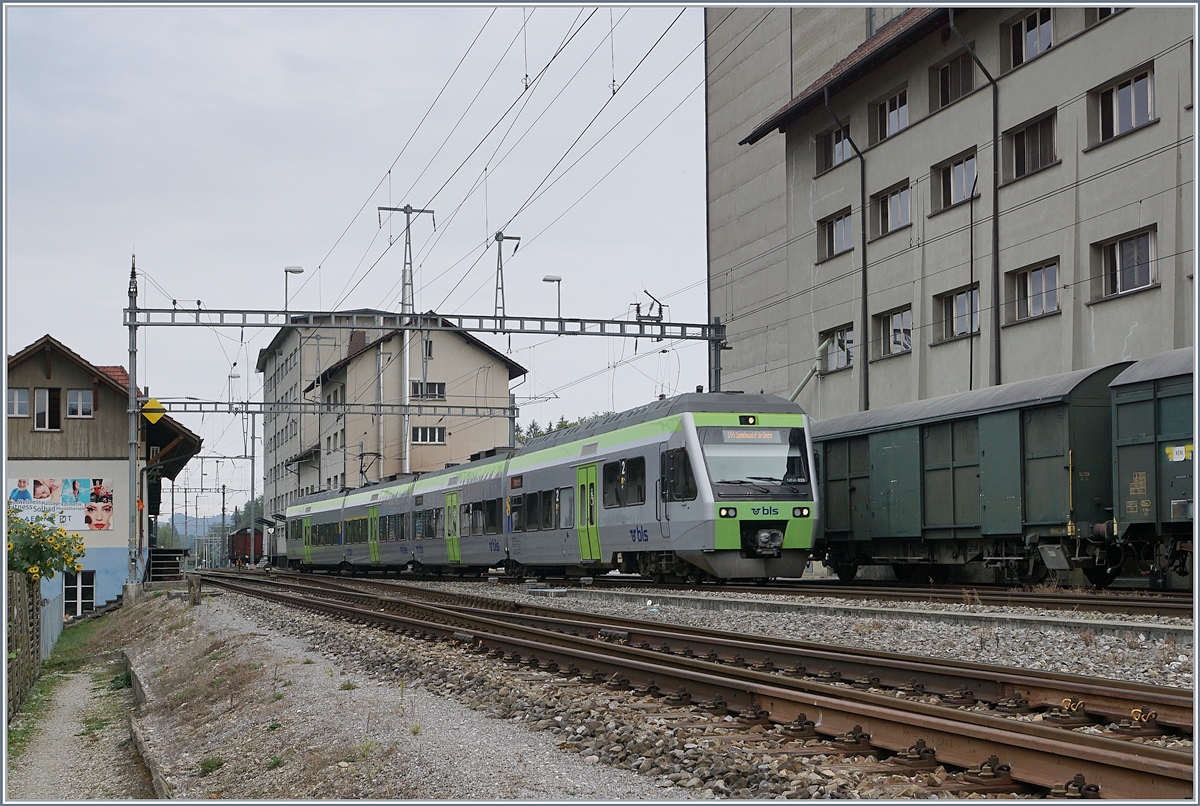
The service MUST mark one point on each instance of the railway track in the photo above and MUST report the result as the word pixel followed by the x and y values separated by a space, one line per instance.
pixel 1174 604
pixel 1178 605
pixel 1018 727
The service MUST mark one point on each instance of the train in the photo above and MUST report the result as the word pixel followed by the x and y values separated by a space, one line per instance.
pixel 1082 474
pixel 734 498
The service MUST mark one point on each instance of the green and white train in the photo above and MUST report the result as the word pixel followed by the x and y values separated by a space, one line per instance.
pixel 695 487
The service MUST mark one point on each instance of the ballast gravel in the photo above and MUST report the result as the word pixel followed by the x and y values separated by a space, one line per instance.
pixel 1127 656
pixel 248 699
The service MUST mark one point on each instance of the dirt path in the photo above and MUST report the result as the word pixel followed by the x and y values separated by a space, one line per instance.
pixel 81 747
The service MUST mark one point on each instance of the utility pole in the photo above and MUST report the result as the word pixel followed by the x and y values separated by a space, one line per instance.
pixel 174 530
pixel 500 239
pixel 252 423
pixel 224 530
pixel 406 309
pixel 133 428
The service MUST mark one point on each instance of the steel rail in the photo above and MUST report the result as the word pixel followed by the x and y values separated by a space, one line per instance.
pixel 1165 604
pixel 1038 754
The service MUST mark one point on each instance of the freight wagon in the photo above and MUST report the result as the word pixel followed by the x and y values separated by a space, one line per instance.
pixel 1008 483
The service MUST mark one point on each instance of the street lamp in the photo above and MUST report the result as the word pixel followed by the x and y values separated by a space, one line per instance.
pixel 553 278
pixel 286 271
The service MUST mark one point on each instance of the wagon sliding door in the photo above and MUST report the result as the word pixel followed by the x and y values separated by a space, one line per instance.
pixel 1046 474
pixel 1000 473
pixel 896 483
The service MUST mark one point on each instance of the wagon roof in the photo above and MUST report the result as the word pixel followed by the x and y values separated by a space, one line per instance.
pixel 1163 365
pixel 1050 389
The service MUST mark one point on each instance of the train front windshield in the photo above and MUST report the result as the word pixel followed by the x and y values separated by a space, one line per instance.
pixel 736 455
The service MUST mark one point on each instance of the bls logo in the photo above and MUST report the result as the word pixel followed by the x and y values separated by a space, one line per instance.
pixel 639 535
pixel 764 510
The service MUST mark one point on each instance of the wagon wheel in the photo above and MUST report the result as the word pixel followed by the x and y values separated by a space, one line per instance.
pixel 1100 576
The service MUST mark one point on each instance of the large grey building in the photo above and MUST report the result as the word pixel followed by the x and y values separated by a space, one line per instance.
pixel 927 203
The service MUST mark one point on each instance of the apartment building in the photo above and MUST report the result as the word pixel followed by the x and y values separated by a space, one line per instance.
pixel 335 446
pixel 966 201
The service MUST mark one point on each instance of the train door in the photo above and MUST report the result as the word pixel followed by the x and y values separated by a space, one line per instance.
pixel 453 552
pixel 589 533
pixel 662 506
pixel 307 540
pixel 373 533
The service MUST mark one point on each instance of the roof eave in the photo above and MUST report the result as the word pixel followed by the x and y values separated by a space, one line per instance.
pixel 815 94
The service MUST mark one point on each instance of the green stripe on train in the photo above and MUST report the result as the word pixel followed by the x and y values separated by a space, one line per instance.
pixel 798 534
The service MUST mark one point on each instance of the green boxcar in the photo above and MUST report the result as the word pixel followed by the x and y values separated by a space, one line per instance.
pixel 1153 463
pixel 998 483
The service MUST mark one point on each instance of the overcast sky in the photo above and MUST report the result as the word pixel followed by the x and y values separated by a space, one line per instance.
pixel 222 144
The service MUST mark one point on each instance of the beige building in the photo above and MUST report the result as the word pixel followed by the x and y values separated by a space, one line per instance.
pixel 1013 200
pixel 337 447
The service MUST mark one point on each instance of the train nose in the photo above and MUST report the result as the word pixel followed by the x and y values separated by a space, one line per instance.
pixel 769 540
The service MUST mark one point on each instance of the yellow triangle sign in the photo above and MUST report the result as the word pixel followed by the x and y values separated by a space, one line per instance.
pixel 153 411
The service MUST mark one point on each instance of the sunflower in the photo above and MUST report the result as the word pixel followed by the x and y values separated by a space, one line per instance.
pixel 35 577
pixel 33 569
pixel 10 545
pixel 78 567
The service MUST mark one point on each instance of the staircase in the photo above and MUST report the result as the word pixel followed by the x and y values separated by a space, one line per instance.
pixel 166 565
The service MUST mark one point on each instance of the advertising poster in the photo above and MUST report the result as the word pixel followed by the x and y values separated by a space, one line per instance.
pixel 78 504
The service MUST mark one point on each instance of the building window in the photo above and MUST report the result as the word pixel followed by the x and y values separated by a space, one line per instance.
pixel 47 409
pixel 429 435
pixel 79 593
pixel 953 80
pixel 955 181
pixel 835 235
pixel 960 312
pixel 1030 36
pixel 895 332
pixel 1092 16
pixel 892 115
pixel 891 210
pixel 429 391
pixel 1128 263
pixel 79 402
pixel 1126 105
pixel 1031 148
pixel 427 346
pixel 1036 290
pixel 840 352
pixel 833 148
pixel 18 402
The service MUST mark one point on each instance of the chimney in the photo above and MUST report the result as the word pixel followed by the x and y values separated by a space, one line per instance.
pixel 358 341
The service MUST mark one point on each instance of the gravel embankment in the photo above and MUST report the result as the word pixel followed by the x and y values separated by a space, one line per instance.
pixel 252 700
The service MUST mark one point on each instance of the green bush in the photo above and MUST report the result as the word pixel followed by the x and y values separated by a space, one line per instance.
pixel 39 548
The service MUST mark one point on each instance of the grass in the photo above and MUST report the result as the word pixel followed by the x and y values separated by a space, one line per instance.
pixel 347 686
pixel 93 725
pixel 309 660
pixel 274 726
pixel 278 695
pixel 37 705
pixel 120 681
pixel 415 730
pixel 274 762
pixel 211 764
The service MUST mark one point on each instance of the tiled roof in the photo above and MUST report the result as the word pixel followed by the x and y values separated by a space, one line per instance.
pixel 117 373
pixel 889 40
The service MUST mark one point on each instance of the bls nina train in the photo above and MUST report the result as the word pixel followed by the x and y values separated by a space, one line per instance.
pixel 695 487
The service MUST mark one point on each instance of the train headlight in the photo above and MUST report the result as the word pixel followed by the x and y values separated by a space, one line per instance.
pixel 748 419
pixel 727 512
pixel 800 512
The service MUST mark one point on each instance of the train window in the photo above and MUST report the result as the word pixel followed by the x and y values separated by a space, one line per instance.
pixel 758 455
pixel 532 512
pixel 438 523
pixel 491 516
pixel 625 483
pixel 549 502
pixel 477 518
pixel 464 519
pixel 566 508
pixel 516 510
pixel 679 483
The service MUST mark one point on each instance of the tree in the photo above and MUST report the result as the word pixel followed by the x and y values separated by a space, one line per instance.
pixel 241 517
pixel 166 535
pixel 533 430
